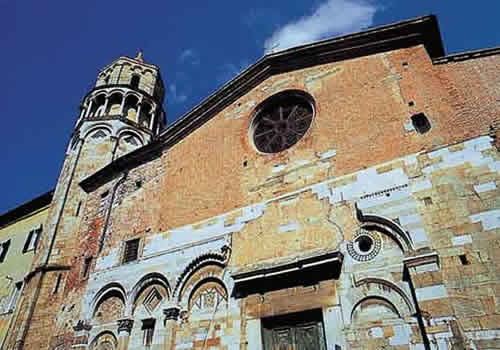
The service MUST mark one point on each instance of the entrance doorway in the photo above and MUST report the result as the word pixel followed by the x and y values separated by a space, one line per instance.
pixel 296 331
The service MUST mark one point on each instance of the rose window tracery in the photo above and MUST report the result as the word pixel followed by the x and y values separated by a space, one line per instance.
pixel 282 121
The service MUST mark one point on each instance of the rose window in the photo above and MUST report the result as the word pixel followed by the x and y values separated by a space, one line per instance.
pixel 282 121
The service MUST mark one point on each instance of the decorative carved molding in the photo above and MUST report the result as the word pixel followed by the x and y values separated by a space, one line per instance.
pixel 172 313
pixel 125 324
pixel 214 257
pixel 82 326
pixel 422 259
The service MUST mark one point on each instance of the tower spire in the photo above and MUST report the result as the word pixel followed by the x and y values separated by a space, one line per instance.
pixel 140 55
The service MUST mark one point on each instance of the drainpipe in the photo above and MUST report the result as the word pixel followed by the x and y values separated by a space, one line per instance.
pixel 418 312
pixel 108 213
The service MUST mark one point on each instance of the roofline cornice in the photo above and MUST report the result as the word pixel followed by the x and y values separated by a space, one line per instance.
pixel 26 209
pixel 418 31
pixel 468 55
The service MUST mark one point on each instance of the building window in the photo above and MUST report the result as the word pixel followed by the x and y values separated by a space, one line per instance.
pixel 148 328
pixel 281 121
pixel 86 267
pixel 421 123
pixel 11 304
pixel 78 207
pixel 32 240
pixel 300 330
pixel 4 247
pixel 134 82
pixel 131 252
pixel 58 284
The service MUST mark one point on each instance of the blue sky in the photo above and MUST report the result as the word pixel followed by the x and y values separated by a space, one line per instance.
pixel 51 52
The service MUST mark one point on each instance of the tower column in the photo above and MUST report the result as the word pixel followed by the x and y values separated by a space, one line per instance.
pixel 171 316
pixel 139 104
pixel 152 121
pixel 106 105
pixel 124 328
pixel 122 106
pixel 89 109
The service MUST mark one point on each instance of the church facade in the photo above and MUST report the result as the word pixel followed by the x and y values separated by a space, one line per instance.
pixel 337 195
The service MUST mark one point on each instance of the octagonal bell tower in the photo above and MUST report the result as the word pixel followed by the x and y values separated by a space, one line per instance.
pixel 121 113
pixel 124 107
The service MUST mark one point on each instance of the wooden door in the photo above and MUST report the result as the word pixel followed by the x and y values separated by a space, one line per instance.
pixel 295 333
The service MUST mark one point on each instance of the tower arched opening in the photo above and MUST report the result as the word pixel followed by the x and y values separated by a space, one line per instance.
pixel 97 106
pixel 135 80
pixel 145 115
pixel 130 108
pixel 114 104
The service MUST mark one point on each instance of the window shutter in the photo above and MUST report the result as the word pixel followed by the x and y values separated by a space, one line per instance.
pixel 131 250
pixel 28 241
pixel 3 252
pixel 37 238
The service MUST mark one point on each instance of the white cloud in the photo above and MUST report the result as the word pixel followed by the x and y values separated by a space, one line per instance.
pixel 334 17
pixel 176 96
pixel 190 56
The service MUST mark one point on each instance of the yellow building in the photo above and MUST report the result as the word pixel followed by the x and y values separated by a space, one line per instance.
pixel 20 230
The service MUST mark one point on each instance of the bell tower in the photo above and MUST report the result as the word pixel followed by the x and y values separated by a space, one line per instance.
pixel 125 105
pixel 121 113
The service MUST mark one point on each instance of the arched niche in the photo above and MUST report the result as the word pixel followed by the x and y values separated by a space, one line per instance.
pixel 130 107
pixel 104 341
pixel 97 134
pixel 114 103
pixel 207 270
pixel 372 294
pixel 373 309
pixel 127 142
pixel 209 294
pixel 389 226
pixel 148 295
pixel 109 304
pixel 145 115
pixel 97 107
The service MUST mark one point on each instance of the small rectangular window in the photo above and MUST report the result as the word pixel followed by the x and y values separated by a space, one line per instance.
pixel 86 267
pixel 78 207
pixel 148 328
pixel 11 304
pixel 464 260
pixel 32 240
pixel 4 247
pixel 58 284
pixel 131 250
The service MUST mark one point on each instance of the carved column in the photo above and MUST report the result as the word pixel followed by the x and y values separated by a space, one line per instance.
pixel 81 335
pixel 105 110
pixel 89 108
pixel 122 105
pixel 138 113
pixel 171 317
pixel 124 328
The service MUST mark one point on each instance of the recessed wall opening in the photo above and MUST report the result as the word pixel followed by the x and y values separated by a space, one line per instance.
pixel 463 259
pixel 421 123
pixel 365 243
pixel 134 82
pixel 57 285
pixel 86 267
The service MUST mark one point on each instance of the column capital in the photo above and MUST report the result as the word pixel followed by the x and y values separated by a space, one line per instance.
pixel 172 313
pixel 125 324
